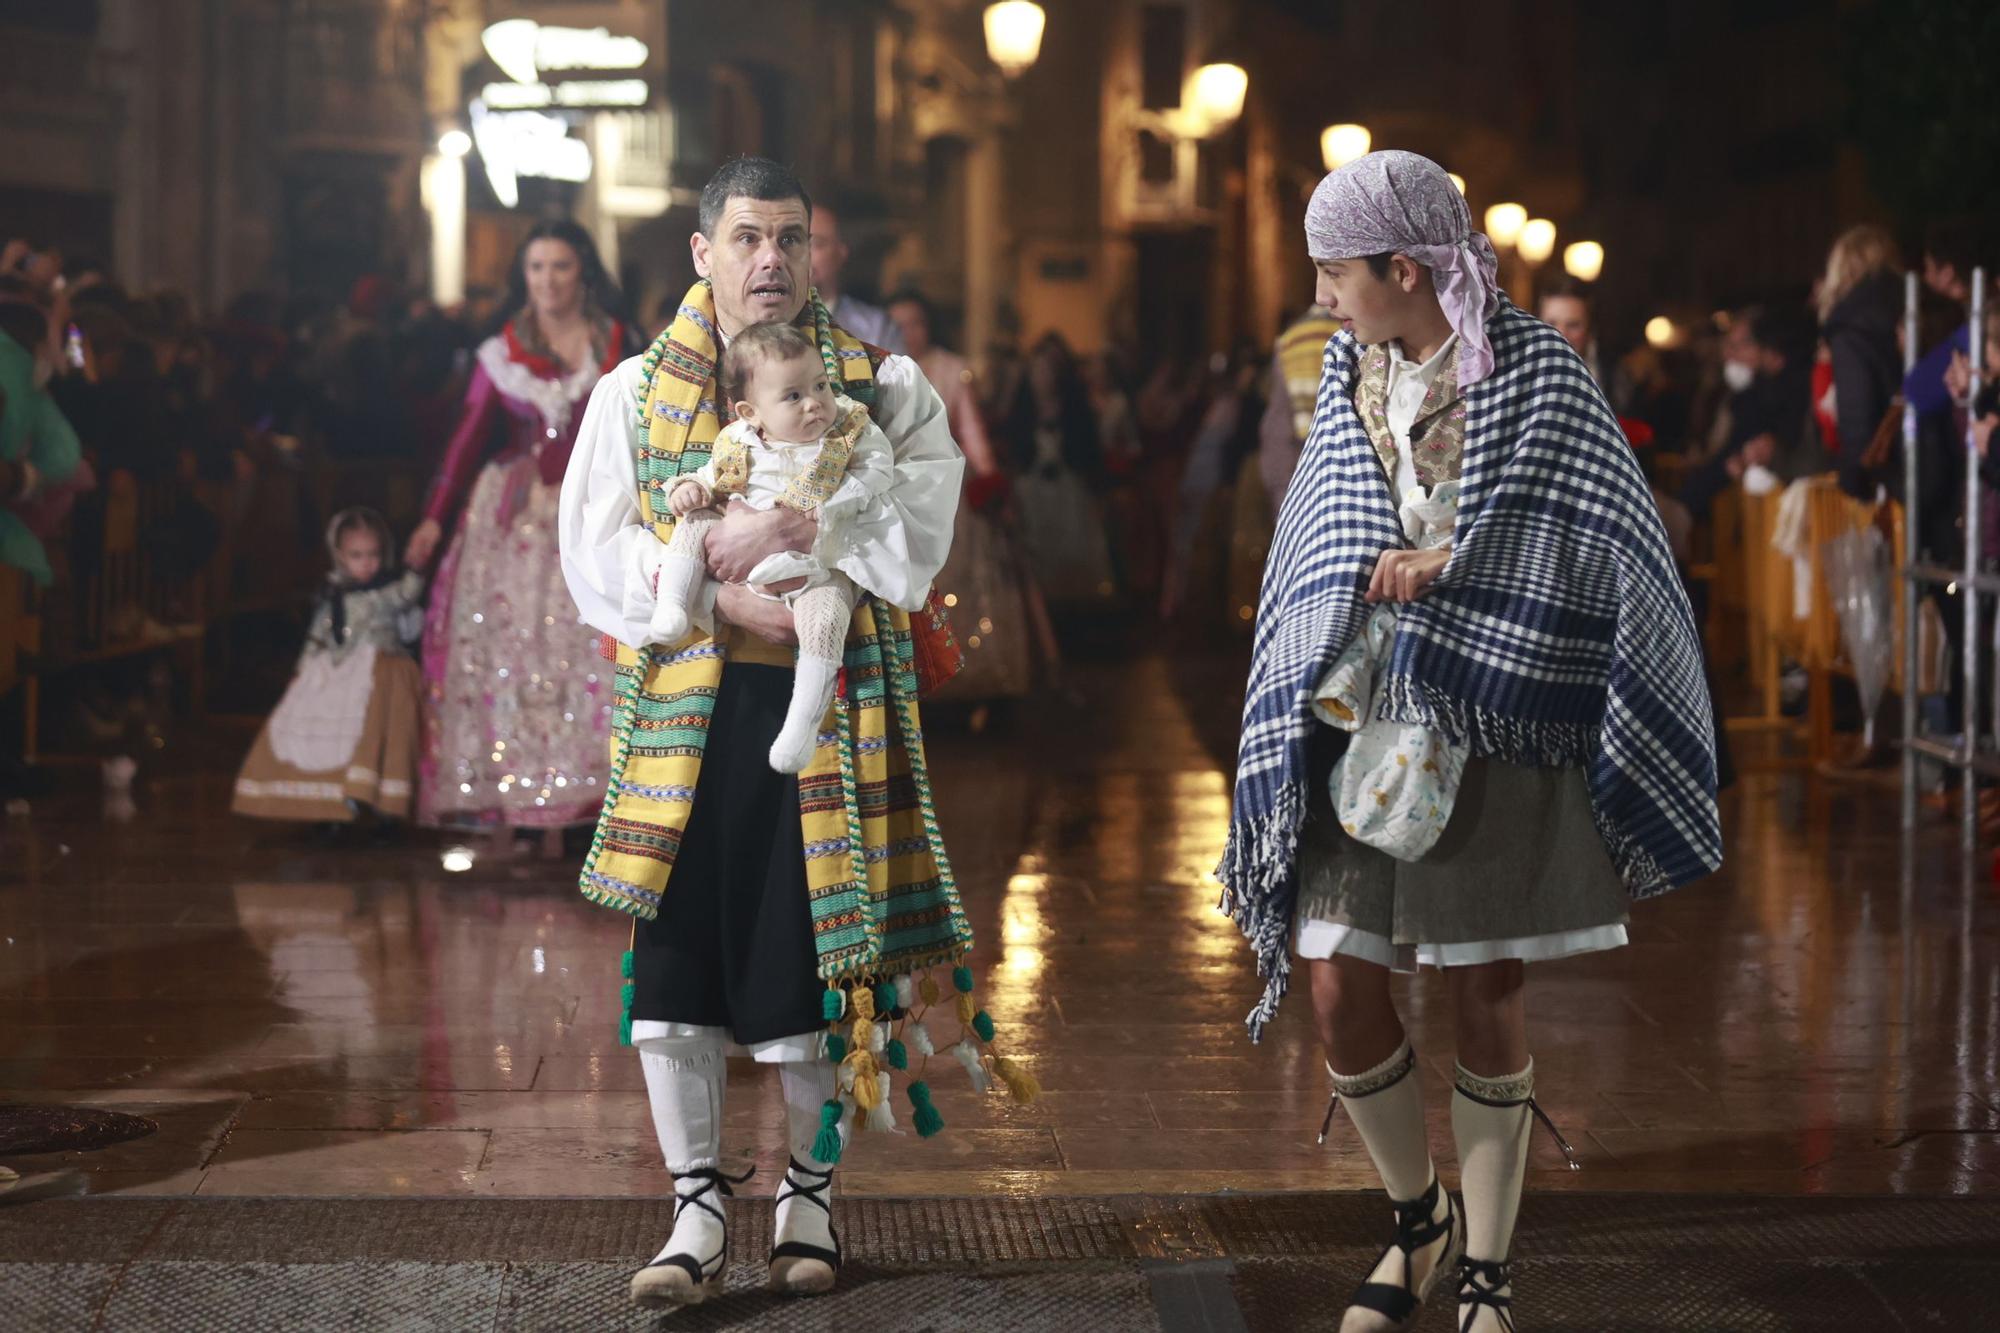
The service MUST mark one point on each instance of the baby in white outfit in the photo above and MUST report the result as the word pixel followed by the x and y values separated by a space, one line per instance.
pixel 794 443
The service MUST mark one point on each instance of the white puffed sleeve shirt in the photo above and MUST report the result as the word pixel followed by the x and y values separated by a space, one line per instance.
pixel 894 542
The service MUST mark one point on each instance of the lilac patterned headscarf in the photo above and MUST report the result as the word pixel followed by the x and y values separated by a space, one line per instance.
pixel 1400 203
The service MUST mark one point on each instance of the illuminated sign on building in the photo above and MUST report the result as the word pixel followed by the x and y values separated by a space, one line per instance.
pixel 513 144
pixel 519 126
pixel 574 93
pixel 525 50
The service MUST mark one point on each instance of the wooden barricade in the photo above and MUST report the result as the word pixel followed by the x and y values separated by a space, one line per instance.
pixel 1756 587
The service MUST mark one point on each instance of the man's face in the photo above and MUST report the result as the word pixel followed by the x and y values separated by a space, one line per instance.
pixel 1571 318
pixel 790 401
pixel 1738 345
pixel 1373 309
pixel 1942 278
pixel 757 261
pixel 829 251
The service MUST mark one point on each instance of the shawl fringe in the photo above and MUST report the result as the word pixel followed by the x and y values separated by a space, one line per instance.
pixel 1260 892
pixel 1487 733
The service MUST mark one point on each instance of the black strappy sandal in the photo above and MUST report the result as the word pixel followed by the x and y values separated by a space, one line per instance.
pixel 681 1279
pixel 799 1269
pixel 1415 1229
pixel 1480 1283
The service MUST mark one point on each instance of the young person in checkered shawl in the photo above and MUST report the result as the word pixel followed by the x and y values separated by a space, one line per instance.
pixel 1552 639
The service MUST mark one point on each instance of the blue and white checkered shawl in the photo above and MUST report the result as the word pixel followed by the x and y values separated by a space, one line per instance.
pixel 1558 635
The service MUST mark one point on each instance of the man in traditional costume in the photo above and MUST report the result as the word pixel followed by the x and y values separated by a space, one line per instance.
pixel 789 917
pixel 1549 646
pixel 1288 408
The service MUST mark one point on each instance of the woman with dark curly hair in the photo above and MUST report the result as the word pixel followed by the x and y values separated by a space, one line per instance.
pixel 515 732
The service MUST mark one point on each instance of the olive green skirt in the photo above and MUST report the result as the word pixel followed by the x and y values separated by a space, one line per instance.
pixel 1520 872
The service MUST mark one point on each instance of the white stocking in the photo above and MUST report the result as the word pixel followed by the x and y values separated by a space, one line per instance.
pixel 681 573
pixel 809 1085
pixel 1386 1105
pixel 1490 1120
pixel 685 1077
pixel 821 616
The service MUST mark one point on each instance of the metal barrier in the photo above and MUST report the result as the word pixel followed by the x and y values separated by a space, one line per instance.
pixel 1965 756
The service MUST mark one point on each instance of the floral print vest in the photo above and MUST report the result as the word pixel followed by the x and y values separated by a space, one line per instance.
pixel 1437 437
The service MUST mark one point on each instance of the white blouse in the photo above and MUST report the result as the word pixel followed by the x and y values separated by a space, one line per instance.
pixel 892 543
pixel 1409 384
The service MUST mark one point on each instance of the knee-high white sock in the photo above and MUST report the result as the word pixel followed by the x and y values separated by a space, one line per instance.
pixel 685 1079
pixel 681 572
pixel 1490 1120
pixel 1386 1104
pixel 821 615
pixel 809 1085
pixel 812 691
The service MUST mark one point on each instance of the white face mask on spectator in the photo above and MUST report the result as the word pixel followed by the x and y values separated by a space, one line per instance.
pixel 1737 376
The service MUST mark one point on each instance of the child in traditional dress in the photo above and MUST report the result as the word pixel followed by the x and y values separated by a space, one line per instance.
pixel 344 739
pixel 794 442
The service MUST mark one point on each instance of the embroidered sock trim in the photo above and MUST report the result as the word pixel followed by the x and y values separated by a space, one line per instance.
pixel 1385 1075
pixel 649 1049
pixel 1507 1090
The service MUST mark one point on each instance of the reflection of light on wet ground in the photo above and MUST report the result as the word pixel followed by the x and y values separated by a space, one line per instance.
pixel 1024 928
pixel 1803 1022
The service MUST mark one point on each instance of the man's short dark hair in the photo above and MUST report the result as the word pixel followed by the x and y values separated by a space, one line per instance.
pixel 1576 289
pixel 1379 264
pixel 748 178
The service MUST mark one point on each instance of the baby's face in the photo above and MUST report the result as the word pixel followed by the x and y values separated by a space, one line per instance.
pixel 789 401
pixel 360 555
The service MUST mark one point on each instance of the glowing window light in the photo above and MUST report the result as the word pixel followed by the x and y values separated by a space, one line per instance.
pixel 1583 260
pixel 1341 144
pixel 1537 240
pixel 1504 223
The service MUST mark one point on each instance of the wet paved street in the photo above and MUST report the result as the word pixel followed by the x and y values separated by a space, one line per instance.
pixel 304 1020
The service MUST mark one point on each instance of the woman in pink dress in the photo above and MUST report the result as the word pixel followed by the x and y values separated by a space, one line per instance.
pixel 515 733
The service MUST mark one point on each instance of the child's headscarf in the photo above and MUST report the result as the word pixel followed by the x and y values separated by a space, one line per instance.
pixel 336 581
pixel 1399 203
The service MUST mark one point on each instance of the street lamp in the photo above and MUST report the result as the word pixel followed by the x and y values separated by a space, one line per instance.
pixel 1503 224
pixel 1660 331
pixel 1216 93
pixel 1341 144
pixel 1014 34
pixel 1583 260
pixel 1537 240
pixel 1458 181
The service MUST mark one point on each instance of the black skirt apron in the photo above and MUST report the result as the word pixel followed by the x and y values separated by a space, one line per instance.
pixel 732 945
